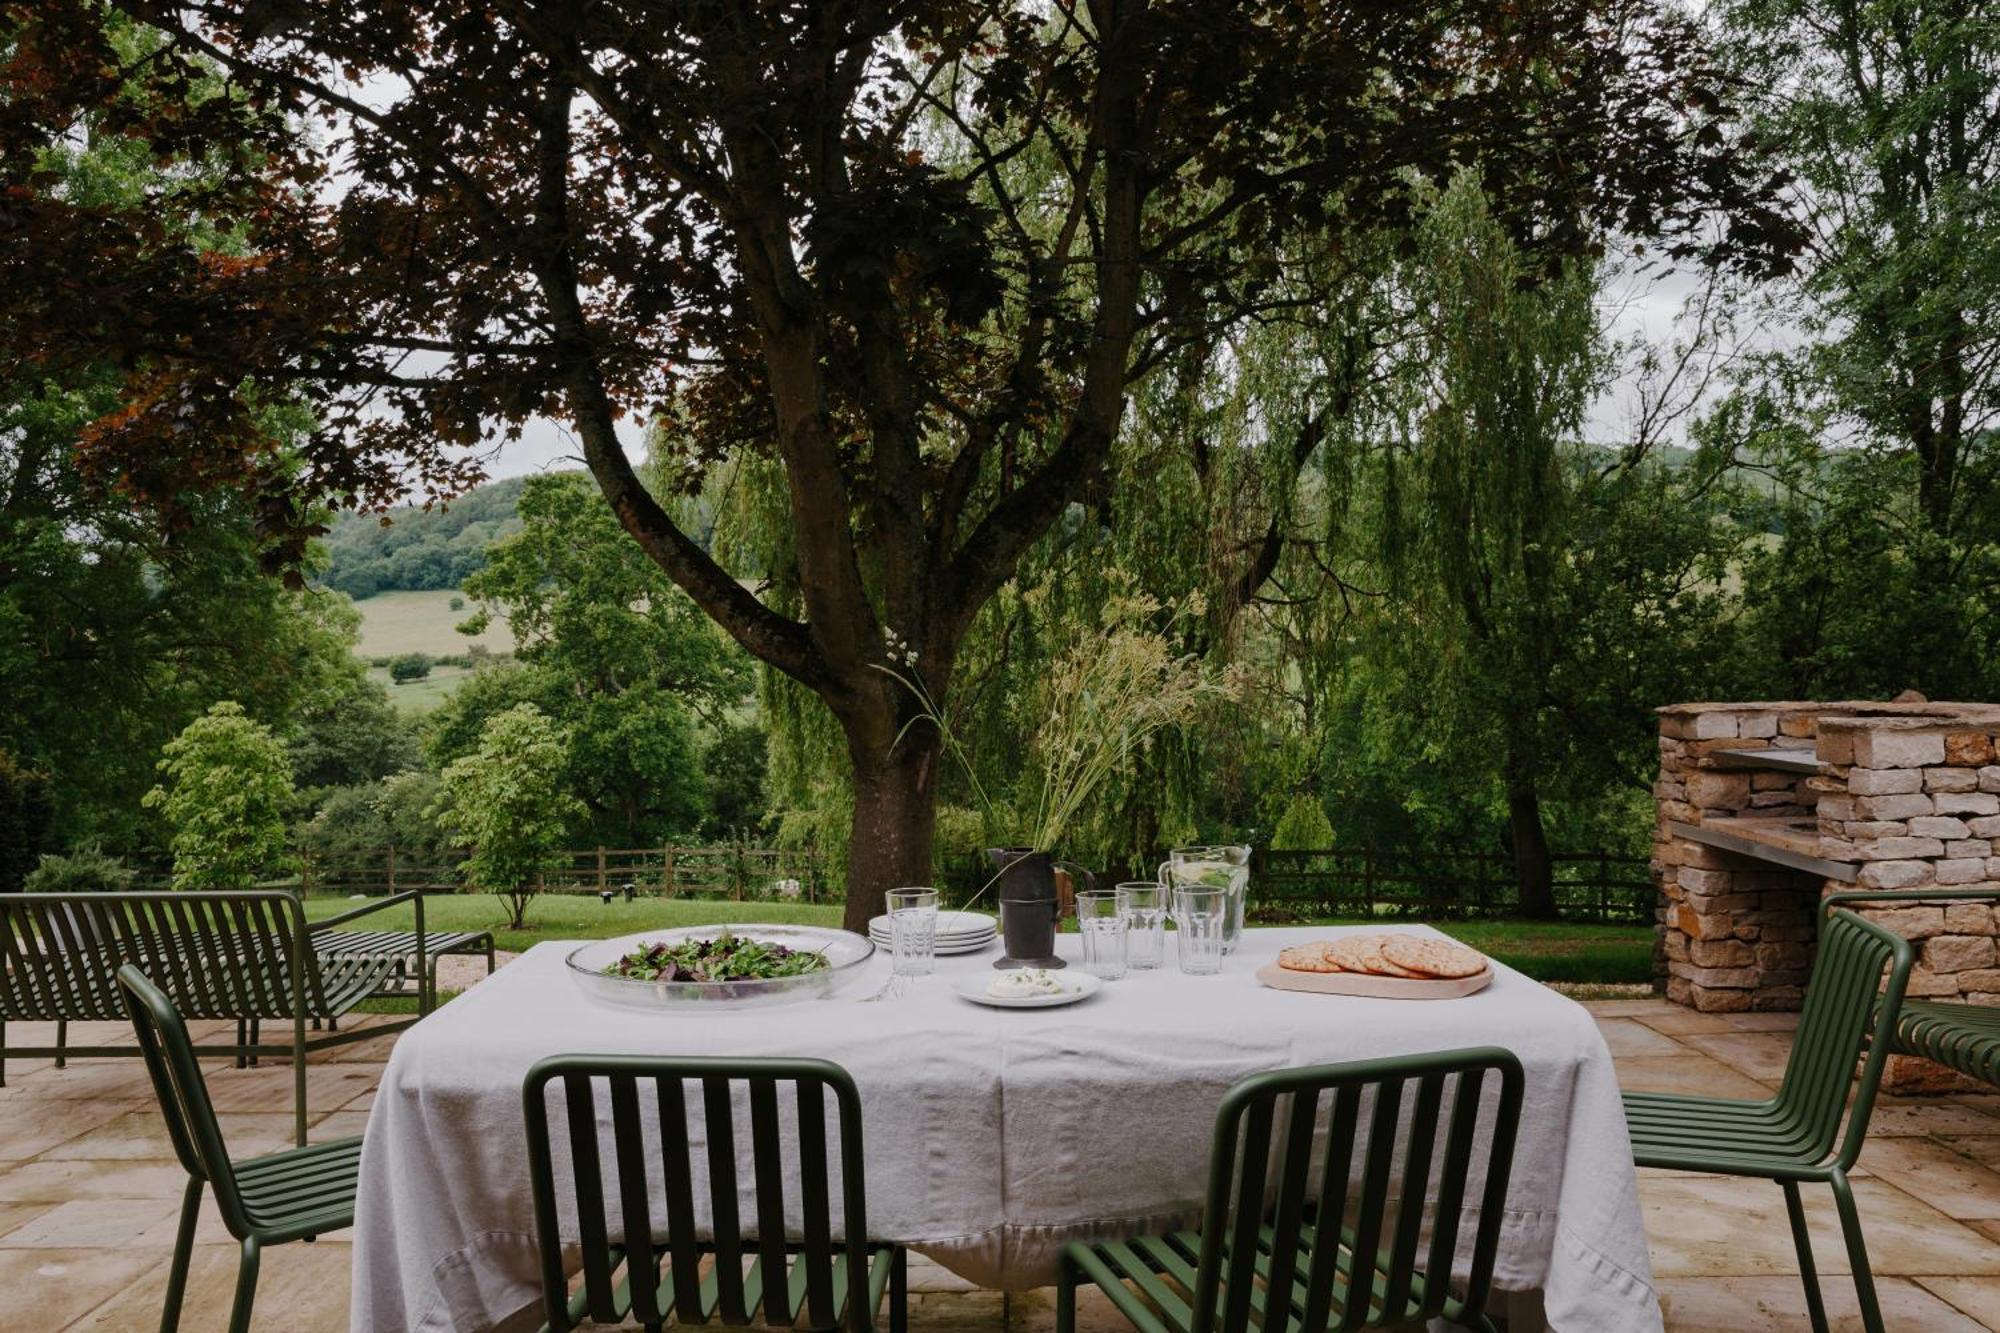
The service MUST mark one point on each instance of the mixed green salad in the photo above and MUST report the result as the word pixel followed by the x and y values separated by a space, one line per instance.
pixel 727 957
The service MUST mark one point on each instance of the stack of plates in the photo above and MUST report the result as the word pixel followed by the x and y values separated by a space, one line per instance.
pixel 957 932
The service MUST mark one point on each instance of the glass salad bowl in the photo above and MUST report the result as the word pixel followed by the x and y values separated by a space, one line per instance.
pixel 846 955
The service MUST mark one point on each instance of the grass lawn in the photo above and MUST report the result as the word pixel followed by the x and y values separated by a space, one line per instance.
pixel 423 622
pixel 1559 951
pixel 574 916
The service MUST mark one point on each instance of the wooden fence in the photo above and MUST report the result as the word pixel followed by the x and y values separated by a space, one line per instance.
pixel 1439 884
pixel 730 870
pixel 1444 884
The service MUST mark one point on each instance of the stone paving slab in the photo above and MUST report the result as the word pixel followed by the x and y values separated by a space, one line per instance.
pixel 89 1192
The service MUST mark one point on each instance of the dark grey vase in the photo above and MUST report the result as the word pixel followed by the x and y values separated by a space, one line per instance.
pixel 1029 907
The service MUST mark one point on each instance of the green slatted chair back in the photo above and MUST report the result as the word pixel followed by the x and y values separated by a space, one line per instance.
pixel 616 1198
pixel 1424 1116
pixel 182 1092
pixel 215 955
pixel 1846 1005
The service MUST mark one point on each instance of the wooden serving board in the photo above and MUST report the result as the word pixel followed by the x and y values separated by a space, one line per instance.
pixel 1378 988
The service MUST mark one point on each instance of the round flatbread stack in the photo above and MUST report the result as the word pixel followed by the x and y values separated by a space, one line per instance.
pixel 1307 958
pixel 1429 956
pixel 1414 957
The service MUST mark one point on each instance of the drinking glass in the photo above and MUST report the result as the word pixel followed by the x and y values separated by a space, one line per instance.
pixel 1143 904
pixel 1198 918
pixel 1105 938
pixel 1220 867
pixel 913 917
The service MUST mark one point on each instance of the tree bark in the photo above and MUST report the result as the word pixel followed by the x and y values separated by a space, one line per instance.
pixel 1534 869
pixel 895 816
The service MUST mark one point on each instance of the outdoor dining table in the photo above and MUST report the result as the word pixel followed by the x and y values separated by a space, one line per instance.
pixel 994 1137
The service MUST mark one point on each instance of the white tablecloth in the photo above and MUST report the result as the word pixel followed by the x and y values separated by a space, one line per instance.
pixel 993 1137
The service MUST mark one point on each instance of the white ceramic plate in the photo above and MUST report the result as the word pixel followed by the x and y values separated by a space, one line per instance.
pixel 950 925
pixel 943 948
pixel 1077 985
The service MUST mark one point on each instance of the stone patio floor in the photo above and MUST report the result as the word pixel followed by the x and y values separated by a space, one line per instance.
pixel 89 1192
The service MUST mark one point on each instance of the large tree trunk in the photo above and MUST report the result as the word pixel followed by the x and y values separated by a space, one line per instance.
pixel 1534 869
pixel 895 818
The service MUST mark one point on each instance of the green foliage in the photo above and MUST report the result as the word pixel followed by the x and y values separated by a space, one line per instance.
pixel 25 812
pixel 1875 416
pixel 225 794
pixel 618 657
pixel 418 549
pixel 349 737
pixel 506 801
pixel 354 826
pixel 409 666
pixel 114 634
pixel 88 869
pixel 1303 827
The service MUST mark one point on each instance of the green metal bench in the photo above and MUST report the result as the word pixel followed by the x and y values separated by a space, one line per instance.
pixel 241 957
pixel 415 948
pixel 1959 1036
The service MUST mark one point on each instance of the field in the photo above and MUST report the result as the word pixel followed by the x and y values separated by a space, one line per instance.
pixel 393 623
pixel 1559 951
pixel 423 622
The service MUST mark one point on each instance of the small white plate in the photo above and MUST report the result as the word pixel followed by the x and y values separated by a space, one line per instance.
pixel 1077 985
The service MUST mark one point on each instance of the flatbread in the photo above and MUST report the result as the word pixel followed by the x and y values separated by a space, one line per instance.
pixel 1363 953
pixel 1307 958
pixel 1432 957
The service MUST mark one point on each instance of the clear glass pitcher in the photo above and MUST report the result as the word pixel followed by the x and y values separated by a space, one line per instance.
pixel 1215 867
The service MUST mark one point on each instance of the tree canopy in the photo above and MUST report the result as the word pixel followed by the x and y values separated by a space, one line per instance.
pixel 918 256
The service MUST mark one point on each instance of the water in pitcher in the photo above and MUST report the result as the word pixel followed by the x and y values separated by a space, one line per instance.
pixel 1225 868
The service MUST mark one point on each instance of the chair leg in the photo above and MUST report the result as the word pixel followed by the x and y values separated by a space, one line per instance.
pixel 242 1044
pixel 3 1052
pixel 256 1036
pixel 177 1273
pixel 246 1289
pixel 62 1043
pixel 1065 1296
pixel 1815 1305
pixel 899 1291
pixel 1857 1253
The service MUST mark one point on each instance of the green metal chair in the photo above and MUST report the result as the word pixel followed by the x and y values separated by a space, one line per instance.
pixel 1957 1035
pixel 1796 1136
pixel 830 1284
pixel 297 1194
pixel 1278 1238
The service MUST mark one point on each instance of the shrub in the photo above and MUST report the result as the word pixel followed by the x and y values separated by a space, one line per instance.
pixel 506 801
pixel 1303 827
pixel 458 603
pixel 25 811
pixel 225 792
pixel 88 869
pixel 409 667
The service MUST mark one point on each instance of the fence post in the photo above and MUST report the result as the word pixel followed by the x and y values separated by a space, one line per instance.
pixel 601 883
pixel 667 885
pixel 1603 884
pixel 392 868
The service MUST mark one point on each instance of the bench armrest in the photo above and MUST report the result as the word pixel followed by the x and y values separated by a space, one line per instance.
pixel 342 918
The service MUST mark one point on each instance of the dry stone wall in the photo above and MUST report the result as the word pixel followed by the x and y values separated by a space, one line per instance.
pixel 1808 799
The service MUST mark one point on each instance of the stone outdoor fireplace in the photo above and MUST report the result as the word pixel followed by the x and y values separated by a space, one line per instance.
pixel 1766 807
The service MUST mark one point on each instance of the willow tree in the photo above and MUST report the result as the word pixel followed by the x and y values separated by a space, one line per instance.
pixel 796 230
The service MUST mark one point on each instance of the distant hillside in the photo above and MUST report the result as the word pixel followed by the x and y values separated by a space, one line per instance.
pixel 416 550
